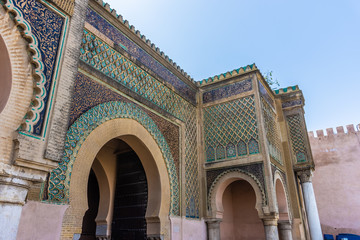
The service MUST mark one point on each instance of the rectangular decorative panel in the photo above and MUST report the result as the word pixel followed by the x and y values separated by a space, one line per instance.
pixel 272 130
pixel 227 91
pixel 231 129
pixel 297 137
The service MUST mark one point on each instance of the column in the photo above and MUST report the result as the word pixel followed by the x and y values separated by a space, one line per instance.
pixel 13 192
pixel 285 229
pixel 213 226
pixel 271 230
pixel 310 204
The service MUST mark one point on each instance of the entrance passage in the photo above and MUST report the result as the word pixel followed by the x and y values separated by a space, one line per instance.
pixel 130 199
pixel 89 225
pixel 240 219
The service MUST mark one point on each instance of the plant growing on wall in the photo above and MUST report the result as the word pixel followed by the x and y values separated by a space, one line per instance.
pixel 273 82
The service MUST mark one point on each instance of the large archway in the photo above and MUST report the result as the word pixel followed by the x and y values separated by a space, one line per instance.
pixel 117 195
pixel 68 183
pixel 151 158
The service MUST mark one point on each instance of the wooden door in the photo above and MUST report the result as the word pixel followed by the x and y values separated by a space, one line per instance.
pixel 130 199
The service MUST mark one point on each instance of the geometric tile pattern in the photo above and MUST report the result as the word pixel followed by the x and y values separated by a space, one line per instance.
pixel 242 148
pixel 59 183
pixel 102 57
pixel 297 137
pixel 192 191
pixel 272 130
pixel 113 33
pixel 112 63
pixel 231 124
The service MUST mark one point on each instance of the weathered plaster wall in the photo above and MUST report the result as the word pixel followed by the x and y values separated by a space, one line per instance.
pixel 35 214
pixel 187 229
pixel 336 179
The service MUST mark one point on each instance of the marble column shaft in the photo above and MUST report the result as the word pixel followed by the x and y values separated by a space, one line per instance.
pixel 285 230
pixel 271 230
pixel 310 205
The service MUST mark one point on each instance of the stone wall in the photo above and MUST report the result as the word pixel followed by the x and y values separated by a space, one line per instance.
pixel 336 184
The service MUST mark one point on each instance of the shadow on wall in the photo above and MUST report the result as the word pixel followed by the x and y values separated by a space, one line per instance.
pixel 240 219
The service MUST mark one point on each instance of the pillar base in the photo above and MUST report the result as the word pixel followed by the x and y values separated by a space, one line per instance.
pixel 213 226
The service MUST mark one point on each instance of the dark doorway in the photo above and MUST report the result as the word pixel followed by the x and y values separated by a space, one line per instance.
pixel 130 200
pixel 89 225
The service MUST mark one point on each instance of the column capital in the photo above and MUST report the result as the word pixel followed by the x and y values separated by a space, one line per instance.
pixel 270 220
pixel 213 222
pixel 305 175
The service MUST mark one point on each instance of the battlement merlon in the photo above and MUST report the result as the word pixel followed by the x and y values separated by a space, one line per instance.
pixel 227 75
pixel 340 132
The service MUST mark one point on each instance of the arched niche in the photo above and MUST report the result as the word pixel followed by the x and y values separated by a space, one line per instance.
pixel 236 200
pixel 223 181
pixel 281 197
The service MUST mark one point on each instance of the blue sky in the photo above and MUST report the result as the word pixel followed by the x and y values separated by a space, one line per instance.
pixel 314 44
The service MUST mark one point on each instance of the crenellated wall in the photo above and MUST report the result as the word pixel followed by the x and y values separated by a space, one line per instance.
pixel 336 179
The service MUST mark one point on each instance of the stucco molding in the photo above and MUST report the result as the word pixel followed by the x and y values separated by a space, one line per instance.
pixel 39 93
pixel 21 83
